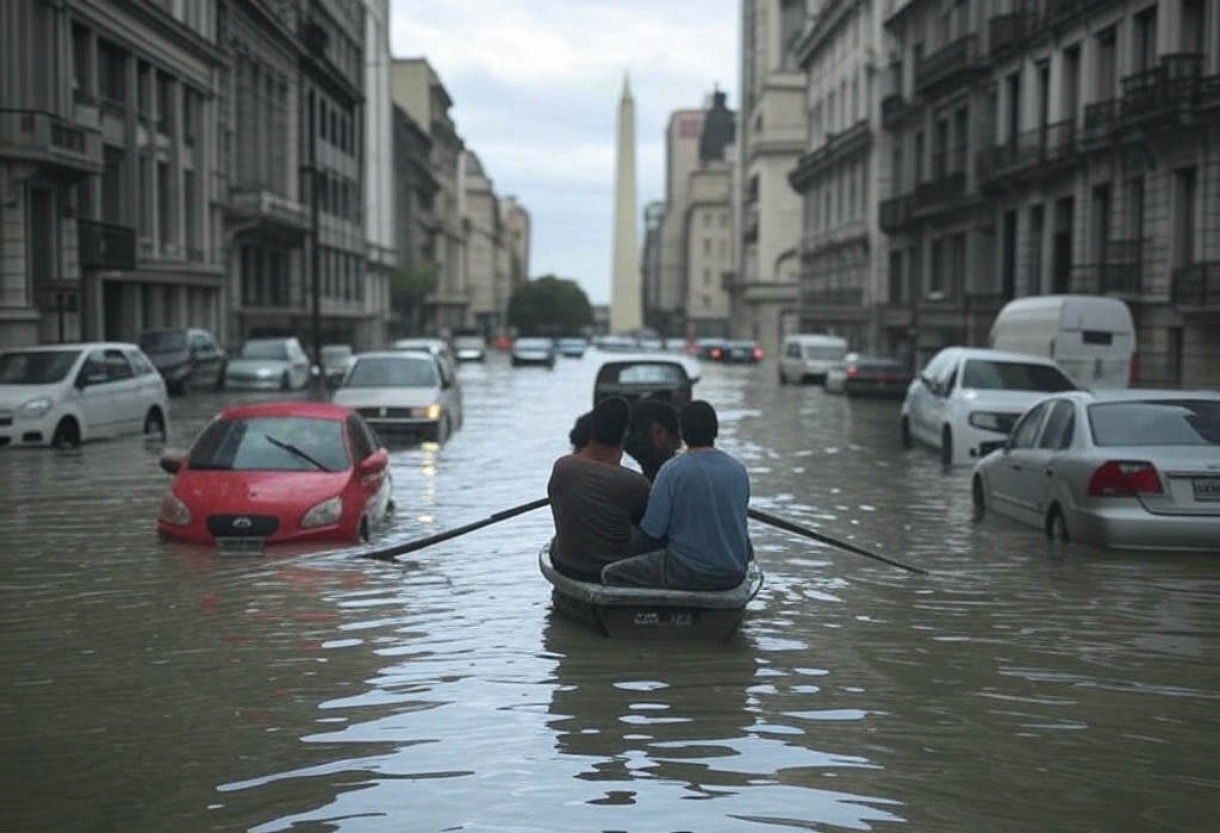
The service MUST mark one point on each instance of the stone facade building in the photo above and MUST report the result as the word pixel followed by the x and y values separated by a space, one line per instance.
pixel 415 223
pixel 708 239
pixel 771 137
pixel 379 188
pixel 486 266
pixel 668 316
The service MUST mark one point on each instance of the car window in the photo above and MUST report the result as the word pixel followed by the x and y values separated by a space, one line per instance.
pixel 1060 426
pixel 202 343
pixel 792 350
pixel 1156 422
pixel 992 374
pixel 276 350
pixel 117 366
pixel 1025 433
pixel 36 367
pixel 141 364
pixel 94 369
pixel 936 366
pixel 393 372
pixel 361 439
pixel 257 444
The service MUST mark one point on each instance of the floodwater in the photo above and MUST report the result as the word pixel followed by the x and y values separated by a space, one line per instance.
pixel 151 687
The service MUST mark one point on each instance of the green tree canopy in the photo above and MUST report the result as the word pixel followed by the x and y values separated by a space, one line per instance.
pixel 550 306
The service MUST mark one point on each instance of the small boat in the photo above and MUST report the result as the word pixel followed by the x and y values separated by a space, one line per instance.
pixel 648 613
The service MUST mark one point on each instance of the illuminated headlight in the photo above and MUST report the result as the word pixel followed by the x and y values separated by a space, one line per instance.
pixel 173 510
pixel 987 421
pixel 326 513
pixel 35 408
pixel 433 412
pixel 265 373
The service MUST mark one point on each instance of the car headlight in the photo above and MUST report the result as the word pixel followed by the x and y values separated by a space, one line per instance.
pixel 173 510
pixel 326 513
pixel 987 421
pixel 35 408
pixel 265 372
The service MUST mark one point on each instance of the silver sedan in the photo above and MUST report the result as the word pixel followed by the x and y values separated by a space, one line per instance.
pixel 1131 469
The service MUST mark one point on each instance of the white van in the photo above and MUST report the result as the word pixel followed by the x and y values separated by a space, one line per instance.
pixel 807 357
pixel 1091 337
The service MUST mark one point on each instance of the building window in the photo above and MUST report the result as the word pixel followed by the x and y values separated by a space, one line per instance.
pixel 112 72
pixel 1143 41
pixel 936 280
pixel 895 277
pixel 165 206
pixel 165 103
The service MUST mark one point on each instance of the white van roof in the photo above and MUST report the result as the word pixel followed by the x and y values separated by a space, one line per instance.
pixel 815 338
pixel 1073 311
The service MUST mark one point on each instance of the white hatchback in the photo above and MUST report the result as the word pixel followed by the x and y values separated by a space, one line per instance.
pixel 403 395
pixel 66 394
pixel 966 400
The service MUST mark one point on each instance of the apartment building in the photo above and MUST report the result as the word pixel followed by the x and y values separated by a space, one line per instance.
pixel 107 224
pixel 650 258
pixel 842 279
pixel 518 229
pixel 708 236
pixel 415 223
pixel 485 264
pixel 416 87
pixel 668 315
pixel 771 137
pixel 379 187
pixel 1103 168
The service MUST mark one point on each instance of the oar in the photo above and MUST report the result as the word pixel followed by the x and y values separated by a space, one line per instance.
pixel 390 553
pixel 759 515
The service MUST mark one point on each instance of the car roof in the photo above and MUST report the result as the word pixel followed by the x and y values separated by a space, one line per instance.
pixel 689 365
pixel 999 355
pixel 399 355
pixel 1138 394
pixel 314 410
pixel 76 345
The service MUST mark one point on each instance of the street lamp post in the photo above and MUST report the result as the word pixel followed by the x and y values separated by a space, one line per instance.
pixel 315 38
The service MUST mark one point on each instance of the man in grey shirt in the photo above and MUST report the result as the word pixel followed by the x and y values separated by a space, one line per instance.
pixel 595 501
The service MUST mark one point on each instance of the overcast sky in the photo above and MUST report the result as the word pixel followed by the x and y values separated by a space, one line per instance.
pixel 535 86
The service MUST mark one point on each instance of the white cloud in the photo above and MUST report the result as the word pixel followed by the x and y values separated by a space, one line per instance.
pixel 535 85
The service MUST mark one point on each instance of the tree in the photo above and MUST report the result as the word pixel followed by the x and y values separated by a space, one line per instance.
pixel 550 306
pixel 408 288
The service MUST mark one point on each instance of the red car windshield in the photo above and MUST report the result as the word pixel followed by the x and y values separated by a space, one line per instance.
pixel 279 443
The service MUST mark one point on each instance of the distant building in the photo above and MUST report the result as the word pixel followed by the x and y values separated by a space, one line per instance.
pixel 379 185
pixel 707 229
pixel 650 265
pixel 415 224
pixel 668 317
pixel 484 248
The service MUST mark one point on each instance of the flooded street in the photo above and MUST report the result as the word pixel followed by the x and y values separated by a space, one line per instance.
pixel 150 686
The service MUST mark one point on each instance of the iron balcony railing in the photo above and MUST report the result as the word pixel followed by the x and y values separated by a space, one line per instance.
pixel 852 296
pixel 106 245
pixel 954 62
pixel 895 213
pixel 1119 273
pixel 1006 32
pixel 1172 88
pixel 1034 151
pixel 1196 285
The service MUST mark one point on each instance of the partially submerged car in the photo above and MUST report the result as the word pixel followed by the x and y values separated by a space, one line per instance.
pixel 186 357
pixel 405 395
pixel 269 364
pixel 276 472
pixel 663 376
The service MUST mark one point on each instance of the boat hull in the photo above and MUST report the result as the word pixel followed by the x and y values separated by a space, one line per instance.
pixel 644 613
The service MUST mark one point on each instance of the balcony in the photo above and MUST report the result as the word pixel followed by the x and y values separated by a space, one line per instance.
pixel 896 213
pixel 1169 93
pixel 106 245
pixel 257 208
pixel 1197 286
pixel 1100 122
pixel 1119 273
pixel 852 296
pixel 836 148
pixel 1038 153
pixel 60 146
pixel 1057 12
pixel 955 64
pixel 894 110
pixel 1006 32
pixel 945 192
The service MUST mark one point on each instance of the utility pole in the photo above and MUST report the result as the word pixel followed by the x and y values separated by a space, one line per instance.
pixel 315 39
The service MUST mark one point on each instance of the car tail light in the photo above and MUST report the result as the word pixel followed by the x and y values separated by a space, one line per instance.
pixel 1124 478
pixel 715 353
pixel 758 354
pixel 852 371
pixel 1134 374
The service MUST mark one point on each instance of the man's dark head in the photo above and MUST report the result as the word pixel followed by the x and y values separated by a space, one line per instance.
pixel 611 416
pixel 654 437
pixel 698 424
pixel 582 431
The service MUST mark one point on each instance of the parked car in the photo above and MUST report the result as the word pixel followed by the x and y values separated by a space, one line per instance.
pixel 966 400
pixel 276 472
pixel 404 395
pixel 533 351
pixel 665 377
pixel 1135 469
pixel 808 357
pixel 186 357
pixel 862 375
pixel 572 348
pixel 336 358
pixel 469 346
pixel 438 347
pixel 740 351
pixel 708 348
pixel 269 364
pixel 66 394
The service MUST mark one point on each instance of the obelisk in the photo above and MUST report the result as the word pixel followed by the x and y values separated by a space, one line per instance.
pixel 625 300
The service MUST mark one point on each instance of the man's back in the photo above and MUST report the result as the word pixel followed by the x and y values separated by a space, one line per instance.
pixel 699 503
pixel 594 505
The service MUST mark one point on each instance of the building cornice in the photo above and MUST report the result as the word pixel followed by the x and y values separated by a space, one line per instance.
pixel 820 29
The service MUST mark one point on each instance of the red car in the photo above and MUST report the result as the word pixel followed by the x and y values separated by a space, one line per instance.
pixel 275 472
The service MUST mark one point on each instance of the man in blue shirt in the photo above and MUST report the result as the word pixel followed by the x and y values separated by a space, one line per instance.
pixel 697 508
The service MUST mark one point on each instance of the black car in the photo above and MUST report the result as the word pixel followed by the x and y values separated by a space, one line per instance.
pixel 186 358
pixel 669 379
pixel 740 351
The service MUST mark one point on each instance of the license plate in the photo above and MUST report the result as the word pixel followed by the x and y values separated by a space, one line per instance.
pixel 1207 488
pixel 239 545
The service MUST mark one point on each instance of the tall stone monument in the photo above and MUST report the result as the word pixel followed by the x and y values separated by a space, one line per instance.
pixel 626 312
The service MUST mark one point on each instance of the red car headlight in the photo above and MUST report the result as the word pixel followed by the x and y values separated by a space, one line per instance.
pixel 173 510
pixel 326 513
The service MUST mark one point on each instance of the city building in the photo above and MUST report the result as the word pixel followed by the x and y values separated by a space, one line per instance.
pixel 842 273
pixel 771 137
pixel 668 317
pixel 650 263
pixel 380 189
pixel 415 224
pixel 708 239
pixel 486 268
pixel 417 89
pixel 515 221
pixel 107 184
pixel 265 223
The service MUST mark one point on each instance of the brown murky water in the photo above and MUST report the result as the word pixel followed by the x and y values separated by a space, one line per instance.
pixel 1016 688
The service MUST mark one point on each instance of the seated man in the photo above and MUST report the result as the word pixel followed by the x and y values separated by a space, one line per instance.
pixel 654 436
pixel 595 501
pixel 698 507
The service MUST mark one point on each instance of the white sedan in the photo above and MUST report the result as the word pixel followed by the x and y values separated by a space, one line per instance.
pixel 403 394
pixel 1131 469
